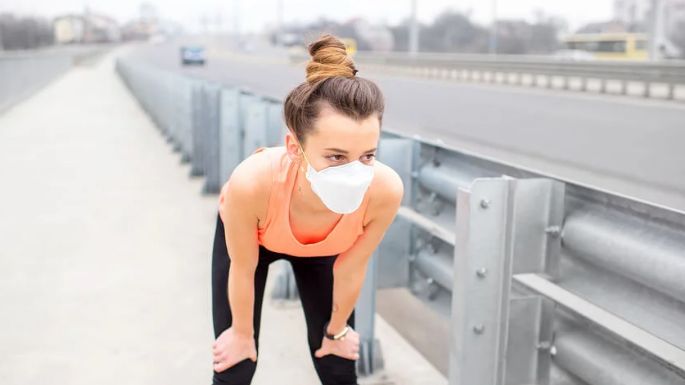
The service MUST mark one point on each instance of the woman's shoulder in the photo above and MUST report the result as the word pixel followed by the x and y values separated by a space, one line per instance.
pixel 251 181
pixel 385 191
pixel 253 172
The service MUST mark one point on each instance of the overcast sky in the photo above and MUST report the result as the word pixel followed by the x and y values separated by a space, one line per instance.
pixel 254 14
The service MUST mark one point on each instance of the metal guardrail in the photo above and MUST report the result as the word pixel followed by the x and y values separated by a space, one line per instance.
pixel 511 69
pixel 541 280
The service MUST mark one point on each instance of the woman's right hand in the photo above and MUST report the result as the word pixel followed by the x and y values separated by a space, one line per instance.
pixel 232 347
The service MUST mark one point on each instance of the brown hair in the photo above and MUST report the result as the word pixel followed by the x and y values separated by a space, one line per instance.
pixel 331 80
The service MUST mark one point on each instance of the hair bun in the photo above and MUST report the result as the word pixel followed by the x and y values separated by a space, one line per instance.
pixel 329 58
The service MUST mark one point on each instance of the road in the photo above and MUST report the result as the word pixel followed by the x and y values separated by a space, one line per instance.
pixel 625 145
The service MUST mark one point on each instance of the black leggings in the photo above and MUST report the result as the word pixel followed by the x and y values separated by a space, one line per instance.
pixel 314 279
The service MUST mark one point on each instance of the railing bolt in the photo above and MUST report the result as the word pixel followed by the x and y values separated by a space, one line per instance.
pixel 479 329
pixel 484 203
pixel 553 231
pixel 545 345
pixel 432 289
pixel 482 272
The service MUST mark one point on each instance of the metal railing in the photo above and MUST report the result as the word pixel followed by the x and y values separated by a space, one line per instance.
pixel 541 280
pixel 533 70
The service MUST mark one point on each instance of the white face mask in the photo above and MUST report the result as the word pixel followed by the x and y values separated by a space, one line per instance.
pixel 341 188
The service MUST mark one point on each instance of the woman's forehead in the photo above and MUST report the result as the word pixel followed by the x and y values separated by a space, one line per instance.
pixel 354 140
pixel 338 130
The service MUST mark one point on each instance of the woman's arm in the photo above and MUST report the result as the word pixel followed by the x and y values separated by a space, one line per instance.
pixel 237 211
pixel 349 269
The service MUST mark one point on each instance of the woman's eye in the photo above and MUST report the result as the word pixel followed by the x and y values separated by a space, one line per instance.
pixel 337 158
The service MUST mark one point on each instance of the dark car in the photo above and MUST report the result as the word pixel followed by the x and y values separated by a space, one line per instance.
pixel 192 55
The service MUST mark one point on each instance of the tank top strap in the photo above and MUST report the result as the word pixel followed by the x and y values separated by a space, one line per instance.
pixel 277 160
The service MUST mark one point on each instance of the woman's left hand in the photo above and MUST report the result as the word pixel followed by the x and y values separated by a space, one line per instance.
pixel 347 347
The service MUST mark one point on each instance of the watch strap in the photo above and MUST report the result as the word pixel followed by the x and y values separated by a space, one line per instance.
pixel 335 336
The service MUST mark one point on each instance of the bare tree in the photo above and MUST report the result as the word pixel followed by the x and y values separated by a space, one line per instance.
pixel 24 32
pixel 453 31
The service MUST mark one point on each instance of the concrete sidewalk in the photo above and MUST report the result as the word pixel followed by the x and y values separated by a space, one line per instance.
pixel 106 251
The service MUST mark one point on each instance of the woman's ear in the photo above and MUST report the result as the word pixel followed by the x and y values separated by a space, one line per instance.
pixel 291 147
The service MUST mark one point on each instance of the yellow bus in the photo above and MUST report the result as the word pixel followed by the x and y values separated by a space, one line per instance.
pixel 618 46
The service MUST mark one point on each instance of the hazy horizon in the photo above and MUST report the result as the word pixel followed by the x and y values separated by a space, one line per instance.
pixel 381 11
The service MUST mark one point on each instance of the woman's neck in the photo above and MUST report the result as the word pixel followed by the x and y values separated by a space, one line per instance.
pixel 304 198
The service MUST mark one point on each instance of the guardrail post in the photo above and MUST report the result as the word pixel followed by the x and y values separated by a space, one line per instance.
pixel 186 117
pixel 230 132
pixel 395 248
pixel 671 91
pixel 623 87
pixel 566 82
pixel 276 128
pixel 504 226
pixel 285 287
pixel 198 113
pixel 176 110
pixel 212 139
pixel 646 91
pixel 602 86
pixel 255 124
pixel 166 100
pixel 370 355
pixel 583 83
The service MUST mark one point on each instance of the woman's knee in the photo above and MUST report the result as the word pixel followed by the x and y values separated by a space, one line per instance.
pixel 239 374
pixel 336 370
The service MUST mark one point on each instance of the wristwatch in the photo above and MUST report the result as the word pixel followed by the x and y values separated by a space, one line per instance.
pixel 338 336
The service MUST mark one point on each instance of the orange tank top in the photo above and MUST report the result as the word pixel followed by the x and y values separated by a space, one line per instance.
pixel 276 234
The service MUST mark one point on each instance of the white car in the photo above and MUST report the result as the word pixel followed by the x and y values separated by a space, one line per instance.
pixel 193 54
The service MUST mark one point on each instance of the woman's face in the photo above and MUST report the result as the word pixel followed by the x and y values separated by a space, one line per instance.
pixel 337 140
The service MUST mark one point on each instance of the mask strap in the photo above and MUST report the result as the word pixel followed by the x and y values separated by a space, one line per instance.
pixel 301 150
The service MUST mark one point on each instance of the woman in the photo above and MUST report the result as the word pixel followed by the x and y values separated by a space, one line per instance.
pixel 322 202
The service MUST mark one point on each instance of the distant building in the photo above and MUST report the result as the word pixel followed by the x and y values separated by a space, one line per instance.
pixel 69 29
pixel 85 28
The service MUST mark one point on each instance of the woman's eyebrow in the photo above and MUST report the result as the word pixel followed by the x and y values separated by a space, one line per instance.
pixel 345 151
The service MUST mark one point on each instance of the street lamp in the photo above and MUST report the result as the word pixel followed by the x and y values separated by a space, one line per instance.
pixel 655 29
pixel 413 30
pixel 492 47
